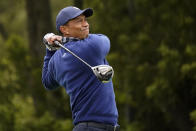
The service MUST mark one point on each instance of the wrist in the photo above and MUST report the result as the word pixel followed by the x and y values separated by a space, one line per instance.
pixel 50 52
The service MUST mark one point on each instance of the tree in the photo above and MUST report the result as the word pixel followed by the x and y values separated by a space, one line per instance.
pixel 78 3
pixel 153 54
pixel 39 22
pixel 149 52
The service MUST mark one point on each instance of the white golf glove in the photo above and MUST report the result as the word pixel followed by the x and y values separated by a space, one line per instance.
pixel 48 45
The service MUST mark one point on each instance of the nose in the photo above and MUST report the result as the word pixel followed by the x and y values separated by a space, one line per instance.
pixel 85 23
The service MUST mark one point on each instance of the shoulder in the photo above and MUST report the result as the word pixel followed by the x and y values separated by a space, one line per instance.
pixel 98 37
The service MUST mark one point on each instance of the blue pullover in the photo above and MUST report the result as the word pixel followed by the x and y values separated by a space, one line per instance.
pixel 90 99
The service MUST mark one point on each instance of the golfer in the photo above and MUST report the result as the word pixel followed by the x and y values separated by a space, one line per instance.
pixel 92 102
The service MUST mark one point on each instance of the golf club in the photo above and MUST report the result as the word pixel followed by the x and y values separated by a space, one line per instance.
pixel 103 72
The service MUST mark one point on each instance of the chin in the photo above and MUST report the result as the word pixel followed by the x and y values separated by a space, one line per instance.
pixel 84 36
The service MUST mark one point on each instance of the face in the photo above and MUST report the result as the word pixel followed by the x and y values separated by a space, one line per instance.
pixel 77 27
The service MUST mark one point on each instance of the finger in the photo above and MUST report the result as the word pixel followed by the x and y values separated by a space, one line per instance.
pixel 51 40
pixel 59 38
pixel 54 38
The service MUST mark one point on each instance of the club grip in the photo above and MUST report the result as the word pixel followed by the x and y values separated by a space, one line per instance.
pixel 57 43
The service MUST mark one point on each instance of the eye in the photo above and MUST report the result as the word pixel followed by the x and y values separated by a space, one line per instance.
pixel 85 19
pixel 79 20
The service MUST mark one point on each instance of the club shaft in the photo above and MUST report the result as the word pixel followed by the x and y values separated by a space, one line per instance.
pixel 59 44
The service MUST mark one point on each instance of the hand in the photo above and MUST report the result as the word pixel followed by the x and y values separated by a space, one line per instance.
pixel 49 39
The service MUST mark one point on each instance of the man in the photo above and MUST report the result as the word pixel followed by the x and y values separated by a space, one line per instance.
pixel 92 102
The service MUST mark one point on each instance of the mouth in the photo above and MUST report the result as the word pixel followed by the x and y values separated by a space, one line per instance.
pixel 85 29
pixel 84 32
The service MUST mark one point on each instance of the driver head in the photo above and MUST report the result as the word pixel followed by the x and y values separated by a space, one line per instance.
pixel 103 72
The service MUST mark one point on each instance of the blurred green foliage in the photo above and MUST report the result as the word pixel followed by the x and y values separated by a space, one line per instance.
pixel 153 53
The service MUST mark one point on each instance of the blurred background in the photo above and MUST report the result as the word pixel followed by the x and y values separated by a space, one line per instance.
pixel 153 53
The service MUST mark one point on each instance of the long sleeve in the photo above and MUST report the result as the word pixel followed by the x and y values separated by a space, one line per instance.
pixel 47 72
pixel 100 44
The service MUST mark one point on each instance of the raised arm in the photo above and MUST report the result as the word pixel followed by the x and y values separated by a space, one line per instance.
pixel 48 66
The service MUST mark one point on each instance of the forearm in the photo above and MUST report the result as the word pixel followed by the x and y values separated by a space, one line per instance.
pixel 47 75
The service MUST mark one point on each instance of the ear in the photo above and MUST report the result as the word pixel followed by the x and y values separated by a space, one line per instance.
pixel 64 30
